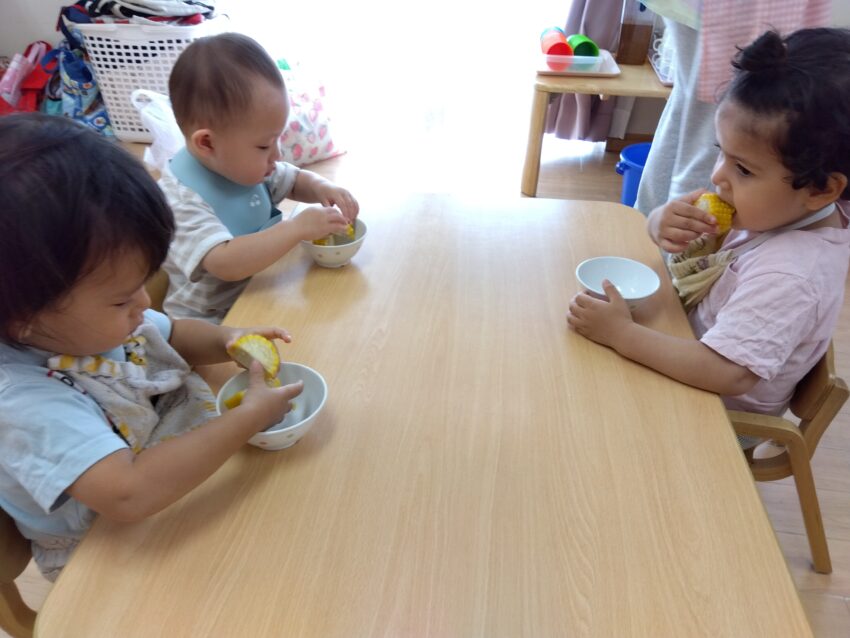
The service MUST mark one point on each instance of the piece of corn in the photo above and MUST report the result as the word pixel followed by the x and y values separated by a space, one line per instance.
pixel 722 211
pixel 236 399
pixel 248 348
pixel 340 238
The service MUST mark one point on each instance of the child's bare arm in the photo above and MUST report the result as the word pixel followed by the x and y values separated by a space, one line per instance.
pixel 676 223
pixel 128 487
pixel 245 256
pixel 204 343
pixel 310 187
pixel 686 360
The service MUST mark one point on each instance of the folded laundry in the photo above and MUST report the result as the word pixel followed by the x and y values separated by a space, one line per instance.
pixel 149 8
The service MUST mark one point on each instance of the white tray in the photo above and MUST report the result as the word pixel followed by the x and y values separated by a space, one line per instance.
pixel 608 67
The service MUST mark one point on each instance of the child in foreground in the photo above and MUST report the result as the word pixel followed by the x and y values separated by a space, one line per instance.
pixel 783 130
pixel 100 412
pixel 231 104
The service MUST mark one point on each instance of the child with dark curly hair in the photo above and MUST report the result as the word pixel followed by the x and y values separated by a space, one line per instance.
pixel 783 131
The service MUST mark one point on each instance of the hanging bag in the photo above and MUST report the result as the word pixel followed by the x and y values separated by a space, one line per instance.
pixel 157 116
pixel 22 86
pixel 307 137
pixel 81 99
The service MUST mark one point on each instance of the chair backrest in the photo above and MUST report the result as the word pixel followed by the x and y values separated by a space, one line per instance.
pixel 15 550
pixel 818 398
pixel 157 286
pixel 15 617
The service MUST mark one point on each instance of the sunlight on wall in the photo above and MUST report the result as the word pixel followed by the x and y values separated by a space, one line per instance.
pixel 450 79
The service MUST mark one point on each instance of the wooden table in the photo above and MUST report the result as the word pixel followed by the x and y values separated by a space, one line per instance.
pixel 634 80
pixel 479 469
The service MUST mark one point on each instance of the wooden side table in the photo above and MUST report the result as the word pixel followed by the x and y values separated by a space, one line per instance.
pixel 636 81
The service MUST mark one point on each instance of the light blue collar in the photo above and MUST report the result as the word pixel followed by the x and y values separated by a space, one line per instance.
pixel 243 209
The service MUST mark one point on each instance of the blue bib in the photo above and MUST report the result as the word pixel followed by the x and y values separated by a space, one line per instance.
pixel 242 209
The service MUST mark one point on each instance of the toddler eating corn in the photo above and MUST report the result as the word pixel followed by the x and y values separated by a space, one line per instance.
pixel 768 313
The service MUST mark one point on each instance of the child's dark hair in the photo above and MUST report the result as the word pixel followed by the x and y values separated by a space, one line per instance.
pixel 212 82
pixel 804 79
pixel 69 199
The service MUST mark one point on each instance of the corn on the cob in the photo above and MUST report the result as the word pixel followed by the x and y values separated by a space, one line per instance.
pixel 248 348
pixel 345 237
pixel 236 399
pixel 722 211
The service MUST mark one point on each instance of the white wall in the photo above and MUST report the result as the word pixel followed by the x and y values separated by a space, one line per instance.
pixel 22 21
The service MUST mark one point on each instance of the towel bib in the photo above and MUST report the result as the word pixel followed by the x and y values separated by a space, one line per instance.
pixel 150 397
pixel 242 209
pixel 695 269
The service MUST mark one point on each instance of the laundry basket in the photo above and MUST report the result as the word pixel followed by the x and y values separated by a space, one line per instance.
pixel 126 57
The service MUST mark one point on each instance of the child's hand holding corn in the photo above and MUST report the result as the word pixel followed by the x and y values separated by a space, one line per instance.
pixel 722 211
pixel 317 222
pixel 678 222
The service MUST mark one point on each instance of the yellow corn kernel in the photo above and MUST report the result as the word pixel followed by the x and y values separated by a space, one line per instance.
pixel 722 211
pixel 330 240
pixel 236 399
pixel 248 348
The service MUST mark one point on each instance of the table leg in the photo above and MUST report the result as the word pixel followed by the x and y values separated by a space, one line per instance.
pixel 531 169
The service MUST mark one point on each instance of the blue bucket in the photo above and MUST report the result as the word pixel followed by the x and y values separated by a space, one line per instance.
pixel 630 166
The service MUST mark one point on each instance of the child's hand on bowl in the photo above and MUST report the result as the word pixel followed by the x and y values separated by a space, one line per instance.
pixel 330 194
pixel 315 222
pixel 600 320
pixel 269 404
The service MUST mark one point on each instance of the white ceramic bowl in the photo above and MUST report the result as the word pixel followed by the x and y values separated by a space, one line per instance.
pixel 306 406
pixel 336 256
pixel 634 280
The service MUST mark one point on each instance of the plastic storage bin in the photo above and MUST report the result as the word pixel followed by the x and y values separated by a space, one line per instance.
pixel 630 166
pixel 126 57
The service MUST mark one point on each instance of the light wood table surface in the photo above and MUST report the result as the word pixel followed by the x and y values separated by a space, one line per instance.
pixel 634 80
pixel 479 469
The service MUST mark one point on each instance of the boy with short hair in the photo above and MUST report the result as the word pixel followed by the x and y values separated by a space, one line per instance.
pixel 231 104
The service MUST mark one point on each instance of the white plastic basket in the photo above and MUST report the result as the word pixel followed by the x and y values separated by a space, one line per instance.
pixel 126 57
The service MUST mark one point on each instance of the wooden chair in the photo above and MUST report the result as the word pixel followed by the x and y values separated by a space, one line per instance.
pixel 16 618
pixel 816 401
pixel 157 286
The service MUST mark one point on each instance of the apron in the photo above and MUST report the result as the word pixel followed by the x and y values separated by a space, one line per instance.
pixel 695 269
pixel 149 398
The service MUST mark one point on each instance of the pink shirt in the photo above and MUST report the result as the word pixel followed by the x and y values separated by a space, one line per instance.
pixel 774 310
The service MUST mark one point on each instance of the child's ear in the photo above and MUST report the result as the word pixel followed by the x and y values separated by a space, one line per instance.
pixel 21 331
pixel 201 142
pixel 835 185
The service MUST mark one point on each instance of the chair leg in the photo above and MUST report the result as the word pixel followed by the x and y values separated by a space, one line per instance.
pixel 805 484
pixel 15 617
